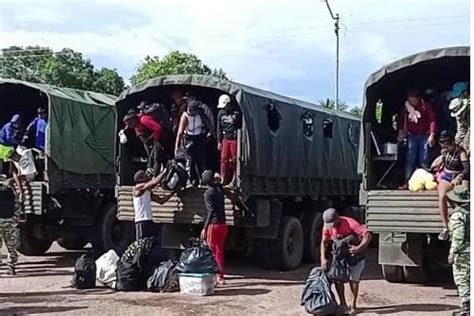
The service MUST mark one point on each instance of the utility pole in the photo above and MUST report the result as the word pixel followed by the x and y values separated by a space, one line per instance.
pixel 336 18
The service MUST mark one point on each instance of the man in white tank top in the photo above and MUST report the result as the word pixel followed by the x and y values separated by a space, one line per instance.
pixel 142 198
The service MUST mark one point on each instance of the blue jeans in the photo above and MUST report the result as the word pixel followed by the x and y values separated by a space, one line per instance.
pixel 417 154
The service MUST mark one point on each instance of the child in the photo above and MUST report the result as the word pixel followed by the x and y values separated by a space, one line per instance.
pixel 8 223
pixel 459 251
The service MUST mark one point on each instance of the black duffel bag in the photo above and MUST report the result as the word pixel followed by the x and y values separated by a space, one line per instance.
pixel 317 296
pixel 197 259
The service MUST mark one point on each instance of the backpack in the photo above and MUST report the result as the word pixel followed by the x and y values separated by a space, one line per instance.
pixel 84 272
pixel 176 176
pixel 161 115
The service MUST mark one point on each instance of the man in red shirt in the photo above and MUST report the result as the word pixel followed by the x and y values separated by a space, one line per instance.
pixel 416 123
pixel 338 227
pixel 149 131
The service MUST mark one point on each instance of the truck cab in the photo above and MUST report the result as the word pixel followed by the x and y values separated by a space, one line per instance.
pixel 406 222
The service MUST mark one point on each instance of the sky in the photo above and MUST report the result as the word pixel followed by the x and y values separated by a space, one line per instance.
pixel 288 47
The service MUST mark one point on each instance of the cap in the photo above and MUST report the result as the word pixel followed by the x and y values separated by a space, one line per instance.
pixel 330 216
pixel 457 106
pixel 460 195
pixel 41 110
pixel 458 88
pixel 223 101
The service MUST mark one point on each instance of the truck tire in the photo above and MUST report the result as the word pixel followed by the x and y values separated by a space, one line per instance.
pixel 72 243
pixel 312 236
pixel 287 249
pixel 29 245
pixel 113 233
pixel 414 274
pixel 393 274
pixel 261 251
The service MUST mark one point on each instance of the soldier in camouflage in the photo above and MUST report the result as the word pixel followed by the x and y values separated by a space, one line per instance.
pixel 8 224
pixel 459 252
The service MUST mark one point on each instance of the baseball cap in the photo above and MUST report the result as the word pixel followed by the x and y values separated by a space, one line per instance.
pixel 330 216
pixel 458 88
pixel 223 101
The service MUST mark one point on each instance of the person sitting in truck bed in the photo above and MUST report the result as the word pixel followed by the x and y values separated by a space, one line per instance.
pixel 455 171
pixel 417 123
pixel 142 198
pixel 11 133
pixel 149 131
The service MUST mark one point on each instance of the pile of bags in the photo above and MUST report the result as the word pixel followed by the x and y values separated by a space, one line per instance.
pixel 143 266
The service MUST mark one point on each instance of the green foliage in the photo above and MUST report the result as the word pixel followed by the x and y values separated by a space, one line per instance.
pixel 172 64
pixel 357 111
pixel 331 104
pixel 65 68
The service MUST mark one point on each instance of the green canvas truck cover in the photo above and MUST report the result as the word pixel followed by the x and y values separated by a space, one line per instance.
pixel 81 128
pixel 287 153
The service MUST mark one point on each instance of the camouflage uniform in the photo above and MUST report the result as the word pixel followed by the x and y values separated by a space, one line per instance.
pixel 463 126
pixel 9 234
pixel 459 223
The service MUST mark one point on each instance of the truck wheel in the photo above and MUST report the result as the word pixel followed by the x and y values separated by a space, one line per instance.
pixel 261 251
pixel 287 249
pixel 414 274
pixel 393 274
pixel 29 245
pixel 312 236
pixel 113 233
pixel 72 243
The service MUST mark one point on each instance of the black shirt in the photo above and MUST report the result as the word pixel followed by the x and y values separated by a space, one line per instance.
pixel 7 203
pixel 214 201
pixel 228 123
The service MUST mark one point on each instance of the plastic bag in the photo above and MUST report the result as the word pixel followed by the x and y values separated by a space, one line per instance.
pixel 197 259
pixel 341 259
pixel 317 296
pixel 106 268
pixel 164 278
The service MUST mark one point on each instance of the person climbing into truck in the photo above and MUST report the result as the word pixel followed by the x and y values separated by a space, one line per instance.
pixel 417 124
pixel 455 171
pixel 194 128
pixel 338 227
pixel 459 251
pixel 12 132
pixel 460 109
pixel 229 121
pixel 149 131
pixel 142 198
pixel 215 227
pixel 9 214
pixel 36 130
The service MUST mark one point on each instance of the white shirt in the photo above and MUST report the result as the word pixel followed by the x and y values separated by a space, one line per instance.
pixel 142 206
pixel 195 125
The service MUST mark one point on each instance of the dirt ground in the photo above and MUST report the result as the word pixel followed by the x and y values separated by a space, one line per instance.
pixel 41 287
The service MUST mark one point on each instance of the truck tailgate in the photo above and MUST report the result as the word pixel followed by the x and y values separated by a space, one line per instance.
pixel 187 209
pixel 403 211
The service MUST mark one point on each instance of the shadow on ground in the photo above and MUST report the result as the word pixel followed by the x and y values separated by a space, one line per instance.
pixel 403 308
pixel 26 310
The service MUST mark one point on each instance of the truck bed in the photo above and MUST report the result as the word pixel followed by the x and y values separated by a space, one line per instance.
pixel 403 211
pixel 187 208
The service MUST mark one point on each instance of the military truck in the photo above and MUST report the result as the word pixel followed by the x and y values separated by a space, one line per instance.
pixel 407 223
pixel 72 198
pixel 294 160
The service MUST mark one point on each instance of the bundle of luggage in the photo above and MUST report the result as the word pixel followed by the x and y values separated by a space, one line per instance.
pixel 143 266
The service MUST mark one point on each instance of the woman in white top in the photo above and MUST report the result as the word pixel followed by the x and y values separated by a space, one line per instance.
pixel 142 198
pixel 192 131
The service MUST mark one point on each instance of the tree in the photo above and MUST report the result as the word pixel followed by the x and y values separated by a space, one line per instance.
pixel 357 111
pixel 331 104
pixel 174 63
pixel 65 68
